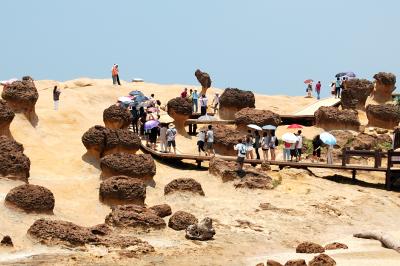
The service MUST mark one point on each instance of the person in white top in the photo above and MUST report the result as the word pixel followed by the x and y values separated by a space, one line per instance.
pixel 299 146
pixel 242 150
pixel 201 138
pixel 215 103
pixel 163 138
pixel 210 140
pixel 203 104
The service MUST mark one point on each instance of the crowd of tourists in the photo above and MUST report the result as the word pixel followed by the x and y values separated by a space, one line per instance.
pixel 198 99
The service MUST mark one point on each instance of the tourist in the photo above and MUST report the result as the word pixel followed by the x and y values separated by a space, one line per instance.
pixel 215 102
pixel 241 148
pixel 190 95
pixel 343 84
pixel 56 97
pixel 210 140
pixel 135 118
pixel 299 146
pixel 265 145
pixel 333 89
pixel 201 138
pixel 249 145
pixel 142 120
pixel 115 75
pixel 329 154
pixel 309 90
pixel 195 98
pixel 286 151
pixel 273 142
pixel 257 143
pixel 317 145
pixel 318 89
pixel 171 134
pixel 152 101
pixel 293 151
pixel 338 85
pixel 184 93
pixel 153 137
pixel 203 104
pixel 163 137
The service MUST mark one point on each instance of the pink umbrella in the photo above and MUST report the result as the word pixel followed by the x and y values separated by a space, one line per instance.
pixel 308 81
pixel 294 126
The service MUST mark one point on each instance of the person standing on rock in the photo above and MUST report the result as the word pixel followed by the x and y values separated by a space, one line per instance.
pixel 242 151
pixel 171 134
pixel 115 75
pixel 184 93
pixel 56 97
pixel 299 146
pixel 195 98
pixel 210 140
pixel 203 104
pixel 201 141
pixel 215 103
pixel 318 89
pixel 338 85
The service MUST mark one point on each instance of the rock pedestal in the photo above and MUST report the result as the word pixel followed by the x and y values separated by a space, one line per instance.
pixel 233 100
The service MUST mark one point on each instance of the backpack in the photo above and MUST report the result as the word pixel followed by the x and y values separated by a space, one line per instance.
pixel 242 149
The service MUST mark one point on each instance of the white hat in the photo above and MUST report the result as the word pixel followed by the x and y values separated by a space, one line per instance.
pixel 171 125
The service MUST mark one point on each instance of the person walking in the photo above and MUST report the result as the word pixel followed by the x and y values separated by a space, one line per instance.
pixel 257 143
pixel 338 85
pixel 318 89
pixel 299 146
pixel 273 142
pixel 135 118
pixel 115 75
pixel 203 104
pixel 171 134
pixel 195 98
pixel 241 148
pixel 201 138
pixel 317 146
pixel 215 103
pixel 56 97
pixel 163 138
pixel 154 132
pixel 210 141
pixel 265 145
pixel 184 93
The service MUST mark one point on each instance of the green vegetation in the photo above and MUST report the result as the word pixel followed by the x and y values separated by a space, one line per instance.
pixel 276 182
pixel 385 146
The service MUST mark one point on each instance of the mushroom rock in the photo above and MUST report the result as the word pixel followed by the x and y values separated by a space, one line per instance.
pixel 298 262
pixel 384 87
pixel 180 109
pixel 335 245
pixel 204 80
pixel 94 140
pixel 116 117
pixel 364 142
pixel 309 247
pixel 122 190
pixel 27 78
pixel 322 260
pixel 6 241
pixel 161 210
pixel 255 181
pixel 13 163
pixel 343 137
pixel 248 116
pixel 225 138
pixel 31 198
pixel 180 220
pixel 140 166
pixel 56 232
pixel 330 118
pixel 6 117
pixel 355 93
pixel 22 96
pixel 233 100
pixel 273 263
pixel 134 216
pixel 121 140
pixel 384 115
pixel 201 231
pixel 184 185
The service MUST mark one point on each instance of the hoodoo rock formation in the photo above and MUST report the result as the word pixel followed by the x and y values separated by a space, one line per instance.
pixel 225 138
pixel 140 166
pixel 261 118
pixel 384 87
pixel 134 216
pixel 330 118
pixel 180 109
pixel 180 220
pixel 233 100
pixel 384 115
pixel 13 162
pixel 204 80
pixel 31 198
pixel 184 185
pixel 100 141
pixel 309 247
pixel 6 117
pixel 322 260
pixel 355 93
pixel 22 96
pixel 116 117
pixel 123 190
pixel 162 210
pixel 201 231
pixel 56 232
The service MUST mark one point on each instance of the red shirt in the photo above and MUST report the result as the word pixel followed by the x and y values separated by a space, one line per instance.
pixel 318 86
pixel 184 94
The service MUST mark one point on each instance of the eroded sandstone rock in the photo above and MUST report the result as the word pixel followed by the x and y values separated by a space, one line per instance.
pixel 180 109
pixel 225 138
pixel 384 115
pixel 330 118
pixel 355 93
pixel 116 117
pixel 134 216
pixel 204 79
pixel 233 100
pixel 6 117
pixel 184 185
pixel 31 198
pixel 309 247
pixel 13 162
pixel 258 117
pixel 161 210
pixel 201 231
pixel 384 87
pixel 322 260
pixel 122 190
pixel 180 220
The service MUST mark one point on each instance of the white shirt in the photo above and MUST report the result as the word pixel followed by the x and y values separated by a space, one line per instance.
pixel 241 148
pixel 203 101
pixel 210 136
pixel 299 144
pixel 202 136
pixel 171 133
pixel 163 133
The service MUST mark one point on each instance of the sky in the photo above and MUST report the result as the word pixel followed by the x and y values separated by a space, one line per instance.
pixel 266 46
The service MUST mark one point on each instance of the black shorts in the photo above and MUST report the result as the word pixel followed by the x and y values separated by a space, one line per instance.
pixel 240 159
pixel 171 143
pixel 293 152
pixel 317 153
pixel 299 152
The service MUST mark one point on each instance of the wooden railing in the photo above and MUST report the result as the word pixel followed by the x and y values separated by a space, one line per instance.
pixel 376 154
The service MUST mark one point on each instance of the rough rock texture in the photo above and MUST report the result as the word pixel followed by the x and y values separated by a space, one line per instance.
pixel 343 137
pixel 273 263
pixel 309 247
pixel 100 141
pixel 201 231
pixel 384 87
pixel 183 185
pixel 116 117
pixel 6 117
pixel 53 232
pixel 31 198
pixel 254 116
pixel 225 138
pixel 180 109
pixel 6 241
pixel 180 220
pixel 355 93
pixel 299 262
pixel 139 166
pixel 322 260
pixel 249 178
pixel 330 118
pixel 161 210
pixel 204 80
pixel 335 245
pixel 13 163
pixel 22 96
pixel 134 216
pixel 123 189
pixel 369 142
pixel 233 100
pixel 384 116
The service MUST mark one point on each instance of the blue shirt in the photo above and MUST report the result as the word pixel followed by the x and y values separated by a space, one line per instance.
pixel 195 96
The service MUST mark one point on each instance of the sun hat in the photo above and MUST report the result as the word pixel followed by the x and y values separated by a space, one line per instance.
pixel 171 125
